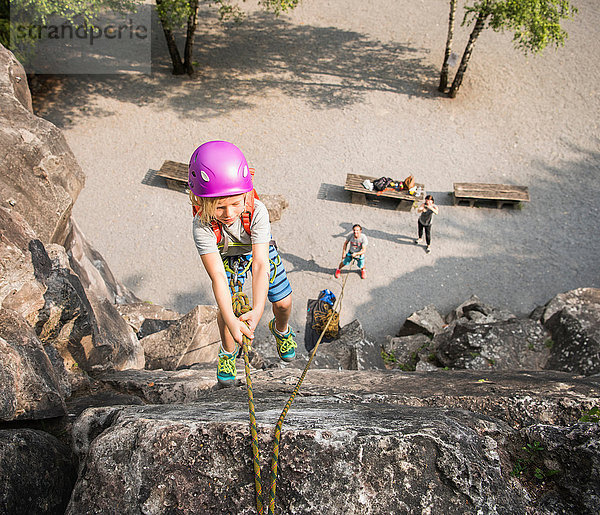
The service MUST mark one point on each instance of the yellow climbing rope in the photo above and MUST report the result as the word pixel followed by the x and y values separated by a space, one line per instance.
pixel 324 314
pixel 241 304
pixel 275 457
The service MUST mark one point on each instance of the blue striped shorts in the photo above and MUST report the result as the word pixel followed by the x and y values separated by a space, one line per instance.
pixel 279 285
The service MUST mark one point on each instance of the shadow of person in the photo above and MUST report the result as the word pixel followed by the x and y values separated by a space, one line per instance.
pixel 300 264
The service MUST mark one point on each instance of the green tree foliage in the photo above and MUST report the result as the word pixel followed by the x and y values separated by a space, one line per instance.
pixel 182 14
pixel 535 24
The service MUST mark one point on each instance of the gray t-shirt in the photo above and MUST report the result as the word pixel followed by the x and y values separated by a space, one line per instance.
pixel 238 240
pixel 426 217
pixel 357 244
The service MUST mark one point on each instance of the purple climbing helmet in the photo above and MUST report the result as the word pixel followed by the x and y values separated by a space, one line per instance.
pixel 219 169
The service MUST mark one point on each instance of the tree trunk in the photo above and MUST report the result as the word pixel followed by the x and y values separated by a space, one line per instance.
pixel 479 24
pixel 189 39
pixel 444 73
pixel 178 68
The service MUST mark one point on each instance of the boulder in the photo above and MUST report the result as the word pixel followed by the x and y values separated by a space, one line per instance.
pixel 275 205
pixel 194 338
pixel 405 352
pixel 373 458
pixel 352 350
pixel 389 439
pixel 14 80
pixel 573 319
pixel 37 473
pixel 40 176
pixel 88 332
pixel 30 387
pixel 515 344
pixel 473 310
pixel 93 271
pixel 19 288
pixel 145 318
pixel 426 320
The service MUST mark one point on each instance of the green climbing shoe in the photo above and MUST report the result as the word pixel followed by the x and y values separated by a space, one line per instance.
pixel 286 346
pixel 226 371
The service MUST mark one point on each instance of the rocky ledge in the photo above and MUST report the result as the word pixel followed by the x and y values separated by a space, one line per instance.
pixel 382 442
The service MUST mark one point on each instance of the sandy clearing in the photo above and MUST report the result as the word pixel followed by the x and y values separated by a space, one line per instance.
pixel 339 87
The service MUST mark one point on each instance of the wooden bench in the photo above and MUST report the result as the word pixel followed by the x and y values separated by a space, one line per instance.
pixel 175 175
pixel 360 193
pixel 472 192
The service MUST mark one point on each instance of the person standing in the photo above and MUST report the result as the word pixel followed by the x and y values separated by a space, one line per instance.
pixel 358 245
pixel 427 210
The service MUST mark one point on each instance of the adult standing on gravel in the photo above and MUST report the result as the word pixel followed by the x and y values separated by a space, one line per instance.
pixel 427 210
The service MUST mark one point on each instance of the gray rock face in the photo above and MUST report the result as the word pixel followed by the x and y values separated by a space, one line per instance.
pixel 37 472
pixel 162 387
pixel 87 331
pixel 573 319
pixel 518 398
pixel 510 345
pixel 405 352
pixel 474 310
pixel 157 459
pixel 19 288
pixel 40 176
pixel 192 339
pixel 93 271
pixel 382 442
pixel 352 350
pixel 572 456
pixel 29 385
pixel 427 321
pixel 146 319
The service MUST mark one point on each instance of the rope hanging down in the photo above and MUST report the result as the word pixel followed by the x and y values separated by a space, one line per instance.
pixel 241 304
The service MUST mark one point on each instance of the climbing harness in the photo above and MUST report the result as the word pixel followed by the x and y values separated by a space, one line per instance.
pixel 241 304
pixel 237 267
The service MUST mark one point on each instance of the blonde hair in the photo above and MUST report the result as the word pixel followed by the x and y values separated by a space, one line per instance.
pixel 207 206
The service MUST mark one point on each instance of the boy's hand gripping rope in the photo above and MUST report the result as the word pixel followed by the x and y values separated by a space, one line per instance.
pixel 241 304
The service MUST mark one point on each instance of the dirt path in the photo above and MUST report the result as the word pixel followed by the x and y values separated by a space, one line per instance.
pixel 341 87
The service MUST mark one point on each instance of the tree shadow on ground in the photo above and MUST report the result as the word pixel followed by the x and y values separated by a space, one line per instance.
pixel 325 66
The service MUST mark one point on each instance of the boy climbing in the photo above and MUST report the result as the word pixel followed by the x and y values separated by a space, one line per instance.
pixel 232 233
pixel 358 245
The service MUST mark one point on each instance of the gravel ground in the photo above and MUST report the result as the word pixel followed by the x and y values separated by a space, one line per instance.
pixel 350 86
